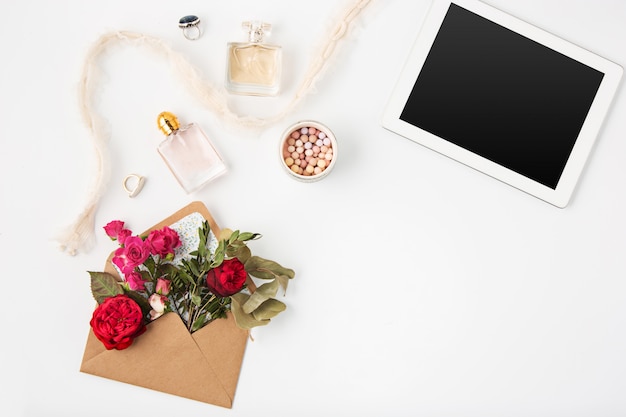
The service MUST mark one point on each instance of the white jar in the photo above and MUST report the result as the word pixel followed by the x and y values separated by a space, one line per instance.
pixel 308 150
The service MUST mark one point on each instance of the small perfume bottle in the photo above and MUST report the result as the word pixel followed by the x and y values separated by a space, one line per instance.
pixel 188 153
pixel 254 67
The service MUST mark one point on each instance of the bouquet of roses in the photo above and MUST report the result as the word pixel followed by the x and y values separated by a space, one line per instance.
pixel 161 273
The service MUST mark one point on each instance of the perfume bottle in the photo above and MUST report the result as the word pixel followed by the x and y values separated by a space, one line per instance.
pixel 254 67
pixel 188 153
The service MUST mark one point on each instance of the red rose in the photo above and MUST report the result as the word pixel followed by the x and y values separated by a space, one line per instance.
pixel 117 321
pixel 227 279
pixel 163 242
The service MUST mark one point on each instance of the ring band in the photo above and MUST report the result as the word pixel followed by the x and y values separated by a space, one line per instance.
pixel 132 192
pixel 190 25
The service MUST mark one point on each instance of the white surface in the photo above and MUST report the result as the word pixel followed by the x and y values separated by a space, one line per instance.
pixel 423 287
pixel 588 132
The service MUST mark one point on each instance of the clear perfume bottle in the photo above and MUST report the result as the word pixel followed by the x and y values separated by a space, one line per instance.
pixel 188 153
pixel 254 67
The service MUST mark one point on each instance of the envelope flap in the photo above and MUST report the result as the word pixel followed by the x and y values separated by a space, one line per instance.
pixel 165 358
pixel 223 344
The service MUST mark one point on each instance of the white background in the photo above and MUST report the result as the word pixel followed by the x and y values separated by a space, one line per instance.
pixel 422 288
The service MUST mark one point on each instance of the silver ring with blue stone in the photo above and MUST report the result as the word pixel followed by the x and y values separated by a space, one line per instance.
pixel 190 25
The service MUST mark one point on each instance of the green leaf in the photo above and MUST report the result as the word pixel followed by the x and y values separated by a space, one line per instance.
pixel 263 293
pixel 167 270
pixel 266 269
pixel 269 309
pixel 202 234
pixel 196 299
pixel 243 320
pixel 233 236
pixel 139 299
pixel 194 267
pixel 185 278
pixel 249 236
pixel 199 323
pixel 150 265
pixel 219 256
pixel 145 275
pixel 104 285
pixel 242 253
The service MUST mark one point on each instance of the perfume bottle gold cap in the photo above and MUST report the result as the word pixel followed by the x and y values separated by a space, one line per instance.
pixel 168 123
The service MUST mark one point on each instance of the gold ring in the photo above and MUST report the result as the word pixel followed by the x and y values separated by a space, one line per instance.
pixel 138 181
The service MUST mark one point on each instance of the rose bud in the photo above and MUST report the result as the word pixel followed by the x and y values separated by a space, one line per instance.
pixel 113 228
pixel 157 302
pixel 163 286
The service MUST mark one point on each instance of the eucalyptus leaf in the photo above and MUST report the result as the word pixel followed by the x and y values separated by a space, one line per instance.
pixel 243 320
pixel 249 236
pixel 265 269
pixel 269 309
pixel 242 253
pixel 219 258
pixel 224 234
pixel 202 237
pixel 104 285
pixel 261 294
pixel 283 280
pixel 233 236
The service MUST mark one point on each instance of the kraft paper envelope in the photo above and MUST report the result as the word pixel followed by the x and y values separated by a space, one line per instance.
pixel 202 366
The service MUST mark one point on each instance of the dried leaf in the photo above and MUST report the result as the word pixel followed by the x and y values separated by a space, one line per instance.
pixel 224 234
pixel 262 293
pixel 266 269
pixel 243 320
pixel 243 254
pixel 103 286
pixel 269 309
pixel 283 280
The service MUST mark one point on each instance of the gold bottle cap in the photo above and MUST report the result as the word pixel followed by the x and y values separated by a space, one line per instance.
pixel 168 123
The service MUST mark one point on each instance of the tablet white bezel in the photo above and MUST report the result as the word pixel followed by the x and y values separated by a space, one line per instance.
pixel 561 195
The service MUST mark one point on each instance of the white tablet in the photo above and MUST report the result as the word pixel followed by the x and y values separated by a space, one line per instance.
pixel 503 97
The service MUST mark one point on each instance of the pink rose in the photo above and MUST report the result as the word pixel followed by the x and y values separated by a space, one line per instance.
pixel 113 229
pixel 163 286
pixel 122 235
pixel 157 302
pixel 135 281
pixel 133 254
pixel 163 242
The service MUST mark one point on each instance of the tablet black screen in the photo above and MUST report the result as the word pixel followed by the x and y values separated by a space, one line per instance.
pixel 502 96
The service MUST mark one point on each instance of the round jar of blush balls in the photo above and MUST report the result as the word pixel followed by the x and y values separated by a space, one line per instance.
pixel 308 150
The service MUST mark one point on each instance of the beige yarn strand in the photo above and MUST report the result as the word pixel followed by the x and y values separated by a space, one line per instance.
pixel 80 236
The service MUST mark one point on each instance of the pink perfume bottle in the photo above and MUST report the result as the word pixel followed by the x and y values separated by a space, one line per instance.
pixel 188 153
